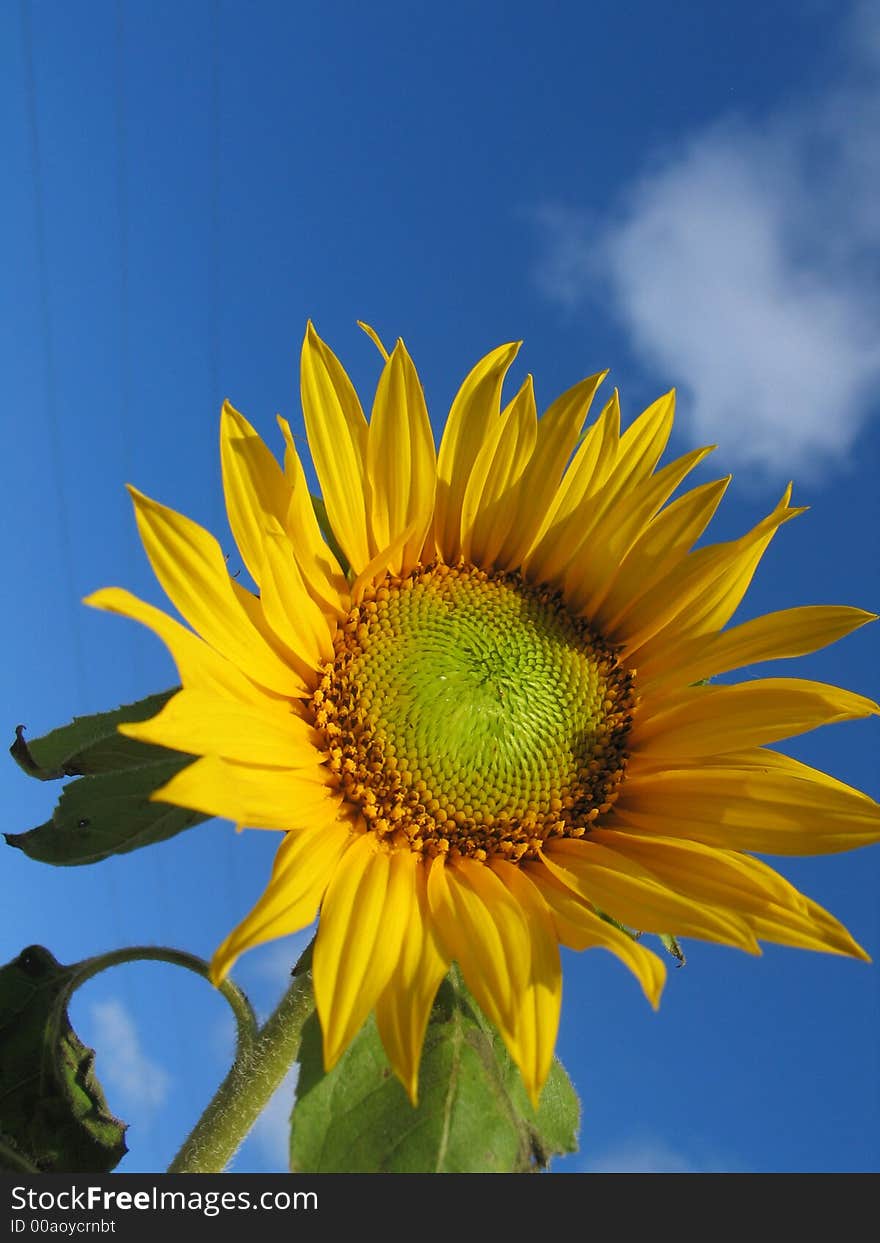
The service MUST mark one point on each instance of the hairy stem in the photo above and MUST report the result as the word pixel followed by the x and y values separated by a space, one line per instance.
pixel 246 1090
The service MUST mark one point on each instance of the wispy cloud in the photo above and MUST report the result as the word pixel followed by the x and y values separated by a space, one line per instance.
pixel 742 264
pixel 271 1131
pixel 128 1073
pixel 649 1154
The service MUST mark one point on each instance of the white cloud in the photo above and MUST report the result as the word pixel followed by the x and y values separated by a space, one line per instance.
pixel 221 1037
pixel 123 1066
pixel 271 1131
pixel 743 266
pixel 648 1154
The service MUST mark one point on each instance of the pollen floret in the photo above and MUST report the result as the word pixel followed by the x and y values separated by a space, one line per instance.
pixel 469 712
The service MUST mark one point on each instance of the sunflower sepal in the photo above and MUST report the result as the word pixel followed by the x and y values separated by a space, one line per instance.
pixel 671 945
pixel 669 942
pixel 327 531
pixel 473 1114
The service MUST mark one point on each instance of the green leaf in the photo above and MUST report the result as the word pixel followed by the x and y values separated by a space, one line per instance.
pixel 473 1114
pixel 109 814
pixel 108 810
pixel 90 744
pixel 53 1115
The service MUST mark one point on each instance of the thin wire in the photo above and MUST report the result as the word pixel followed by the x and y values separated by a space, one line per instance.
pixel 126 421
pixel 56 455
pixel 158 862
pixel 215 289
pixel 231 861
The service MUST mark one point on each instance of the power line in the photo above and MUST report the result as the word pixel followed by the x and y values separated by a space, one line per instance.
pixel 56 455
pixel 230 868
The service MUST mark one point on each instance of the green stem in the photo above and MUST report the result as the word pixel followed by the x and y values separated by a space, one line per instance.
pixel 246 1090
pixel 244 1015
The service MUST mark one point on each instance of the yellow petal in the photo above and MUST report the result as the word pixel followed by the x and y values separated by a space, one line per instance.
pixel 710 720
pixel 577 499
pixel 259 798
pixel 377 568
pixel 492 497
pixel 200 723
pixel 253 607
pixel 627 465
pixel 321 570
pixel 475 407
pixel 491 466
pixel 667 539
pixel 580 928
pixel 199 666
pixel 374 337
pixel 642 445
pixel 254 486
pixel 190 566
pixel 366 910
pixel 811 928
pixel 287 605
pixel 634 457
pixel 719 878
pixel 404 1006
pixel 776 807
pixel 401 464
pixel 304 864
pixel 633 896
pixel 606 540
pixel 709 581
pixel 762 759
pixel 775 636
pixel 337 432
pixel 805 933
pixel 537 1018
pixel 558 431
pixel 585 475
pixel 483 929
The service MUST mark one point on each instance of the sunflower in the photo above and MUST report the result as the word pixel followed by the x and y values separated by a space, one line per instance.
pixel 474 699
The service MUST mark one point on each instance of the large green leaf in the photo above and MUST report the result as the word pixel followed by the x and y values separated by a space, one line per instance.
pixel 473 1114
pixel 53 1115
pixel 107 811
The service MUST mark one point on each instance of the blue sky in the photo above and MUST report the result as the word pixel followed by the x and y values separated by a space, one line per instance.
pixel 685 195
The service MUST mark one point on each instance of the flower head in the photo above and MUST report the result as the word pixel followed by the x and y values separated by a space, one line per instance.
pixel 475 702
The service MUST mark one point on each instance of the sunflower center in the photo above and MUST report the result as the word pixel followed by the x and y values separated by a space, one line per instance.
pixel 471 712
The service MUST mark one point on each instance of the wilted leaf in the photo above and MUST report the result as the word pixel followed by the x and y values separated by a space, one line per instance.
pixel 109 814
pixel 90 744
pixel 52 1109
pixel 473 1114
pixel 108 810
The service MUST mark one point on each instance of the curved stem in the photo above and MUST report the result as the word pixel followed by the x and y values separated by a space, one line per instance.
pixel 245 1018
pixel 246 1090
